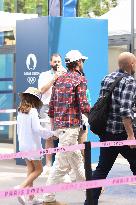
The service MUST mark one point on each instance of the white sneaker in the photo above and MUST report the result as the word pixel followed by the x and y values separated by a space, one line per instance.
pixel 49 198
pixel 34 201
pixel 21 200
pixel 46 171
pixel 49 202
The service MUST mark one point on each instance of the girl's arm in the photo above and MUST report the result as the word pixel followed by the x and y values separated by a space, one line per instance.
pixel 38 129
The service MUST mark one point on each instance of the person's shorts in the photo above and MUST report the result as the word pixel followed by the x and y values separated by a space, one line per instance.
pixel 45 119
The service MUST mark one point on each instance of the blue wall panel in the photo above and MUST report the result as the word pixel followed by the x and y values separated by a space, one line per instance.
pixel 47 35
pixel 91 38
pixel 31 38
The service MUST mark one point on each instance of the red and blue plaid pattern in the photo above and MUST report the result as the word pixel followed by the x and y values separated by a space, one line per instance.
pixel 68 100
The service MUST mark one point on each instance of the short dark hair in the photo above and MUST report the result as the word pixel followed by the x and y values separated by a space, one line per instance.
pixel 55 55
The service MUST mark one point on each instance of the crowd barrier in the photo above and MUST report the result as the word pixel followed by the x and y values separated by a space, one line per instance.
pixel 68 186
pixel 88 184
pixel 66 149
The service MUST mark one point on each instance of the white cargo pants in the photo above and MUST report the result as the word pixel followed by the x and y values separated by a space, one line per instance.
pixel 66 161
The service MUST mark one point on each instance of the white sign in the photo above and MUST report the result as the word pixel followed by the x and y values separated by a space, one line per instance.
pixel 31 63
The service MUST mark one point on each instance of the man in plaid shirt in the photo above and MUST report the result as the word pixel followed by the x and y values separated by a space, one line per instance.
pixel 68 102
pixel 120 119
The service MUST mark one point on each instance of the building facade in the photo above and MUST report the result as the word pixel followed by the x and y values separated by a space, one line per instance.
pixel 8 62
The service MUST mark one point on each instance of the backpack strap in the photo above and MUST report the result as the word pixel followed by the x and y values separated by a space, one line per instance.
pixel 113 85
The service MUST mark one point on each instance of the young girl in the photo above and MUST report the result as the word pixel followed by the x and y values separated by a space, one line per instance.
pixel 29 133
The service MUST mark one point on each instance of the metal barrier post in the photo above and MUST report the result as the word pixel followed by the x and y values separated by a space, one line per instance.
pixel 88 171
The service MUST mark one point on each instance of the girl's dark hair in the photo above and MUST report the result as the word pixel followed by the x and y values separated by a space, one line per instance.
pixel 28 101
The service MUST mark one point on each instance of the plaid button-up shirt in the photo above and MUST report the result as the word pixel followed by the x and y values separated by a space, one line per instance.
pixel 68 100
pixel 122 100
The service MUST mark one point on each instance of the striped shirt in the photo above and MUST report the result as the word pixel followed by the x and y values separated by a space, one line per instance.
pixel 68 100
pixel 122 100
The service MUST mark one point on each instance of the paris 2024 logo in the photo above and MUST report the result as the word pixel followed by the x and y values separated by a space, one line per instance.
pixel 31 63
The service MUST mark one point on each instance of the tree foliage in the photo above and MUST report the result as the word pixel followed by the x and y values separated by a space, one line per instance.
pixel 95 7
pixel 26 6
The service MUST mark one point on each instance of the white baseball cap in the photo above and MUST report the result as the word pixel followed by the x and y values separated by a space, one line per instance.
pixel 73 56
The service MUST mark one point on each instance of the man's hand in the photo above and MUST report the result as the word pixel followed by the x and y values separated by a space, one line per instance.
pixel 85 120
pixel 56 76
pixel 129 129
pixel 61 70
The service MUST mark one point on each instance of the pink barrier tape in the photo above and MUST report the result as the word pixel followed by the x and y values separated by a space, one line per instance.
pixel 8 111
pixel 68 186
pixel 65 149
pixel 42 152
pixel 113 143
pixel 19 155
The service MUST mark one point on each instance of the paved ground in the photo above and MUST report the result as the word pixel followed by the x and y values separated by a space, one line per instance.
pixel 12 175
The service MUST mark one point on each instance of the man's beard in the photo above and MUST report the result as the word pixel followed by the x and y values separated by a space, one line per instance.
pixel 55 67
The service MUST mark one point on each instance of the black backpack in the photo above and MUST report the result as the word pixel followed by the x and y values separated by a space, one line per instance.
pixel 98 115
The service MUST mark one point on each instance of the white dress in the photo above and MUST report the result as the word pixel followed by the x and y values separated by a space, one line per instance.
pixel 30 131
